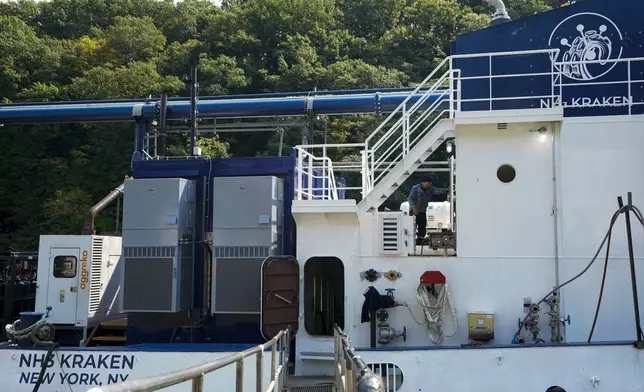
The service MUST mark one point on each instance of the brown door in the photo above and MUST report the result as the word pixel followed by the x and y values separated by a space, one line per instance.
pixel 280 295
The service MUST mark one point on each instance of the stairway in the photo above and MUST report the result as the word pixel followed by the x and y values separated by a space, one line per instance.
pixel 107 333
pixel 406 166
pixel 396 148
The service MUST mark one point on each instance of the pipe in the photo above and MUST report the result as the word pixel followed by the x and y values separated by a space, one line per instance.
pixel 555 213
pixel 241 108
pixel 501 15
pixel 100 206
pixel 163 125
pixel 194 92
pixel 226 97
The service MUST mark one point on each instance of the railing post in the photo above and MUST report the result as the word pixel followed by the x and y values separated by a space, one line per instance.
pixel 273 360
pixel 630 98
pixel 259 369
pixel 451 88
pixel 197 384
pixel 300 166
pixel 309 181
pixel 490 70
pixel 239 382
pixel 324 176
pixel 364 172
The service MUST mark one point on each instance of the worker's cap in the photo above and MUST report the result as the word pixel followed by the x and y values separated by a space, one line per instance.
pixel 427 178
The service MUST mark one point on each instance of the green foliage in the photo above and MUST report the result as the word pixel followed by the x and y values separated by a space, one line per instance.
pixel 99 49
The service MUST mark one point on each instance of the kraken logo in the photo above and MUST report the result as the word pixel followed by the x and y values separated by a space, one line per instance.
pixel 591 53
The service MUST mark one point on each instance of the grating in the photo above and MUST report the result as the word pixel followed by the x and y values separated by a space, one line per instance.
pixel 312 388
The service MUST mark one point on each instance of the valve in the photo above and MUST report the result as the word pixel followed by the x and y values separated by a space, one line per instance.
pixel 390 292
pixel 565 320
pixel 393 275
pixel 386 334
pixel 370 275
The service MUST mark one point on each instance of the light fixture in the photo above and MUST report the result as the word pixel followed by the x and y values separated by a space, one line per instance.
pixel 542 133
pixel 449 146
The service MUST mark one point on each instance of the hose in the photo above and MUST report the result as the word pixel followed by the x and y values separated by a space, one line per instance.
pixel 433 307
pixel 640 218
pixel 608 234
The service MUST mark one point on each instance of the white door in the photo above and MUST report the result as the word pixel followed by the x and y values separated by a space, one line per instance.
pixel 65 266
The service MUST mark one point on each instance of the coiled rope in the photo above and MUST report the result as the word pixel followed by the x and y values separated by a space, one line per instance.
pixel 41 333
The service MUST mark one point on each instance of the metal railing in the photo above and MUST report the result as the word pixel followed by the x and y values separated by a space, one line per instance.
pixel 196 374
pixel 439 96
pixel 351 372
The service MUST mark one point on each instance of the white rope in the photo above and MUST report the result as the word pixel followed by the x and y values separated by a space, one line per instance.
pixel 41 333
pixel 433 309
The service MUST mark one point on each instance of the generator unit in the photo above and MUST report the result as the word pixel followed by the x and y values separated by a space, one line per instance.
pixel 158 244
pixel 78 279
pixel 248 220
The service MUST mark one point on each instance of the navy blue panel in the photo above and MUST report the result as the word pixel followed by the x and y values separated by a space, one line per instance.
pixel 590 30
pixel 221 328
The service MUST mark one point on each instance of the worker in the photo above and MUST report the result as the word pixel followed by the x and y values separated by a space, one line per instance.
pixel 419 197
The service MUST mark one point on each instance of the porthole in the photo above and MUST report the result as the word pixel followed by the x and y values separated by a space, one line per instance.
pixel 506 173
pixel 391 374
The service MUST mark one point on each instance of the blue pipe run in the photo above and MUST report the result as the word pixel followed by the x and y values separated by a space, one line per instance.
pixel 222 97
pixel 239 108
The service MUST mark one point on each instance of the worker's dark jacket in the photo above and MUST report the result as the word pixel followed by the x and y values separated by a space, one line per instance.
pixel 420 197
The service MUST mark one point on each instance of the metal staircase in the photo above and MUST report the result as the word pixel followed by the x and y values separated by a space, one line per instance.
pixel 418 126
pixel 394 150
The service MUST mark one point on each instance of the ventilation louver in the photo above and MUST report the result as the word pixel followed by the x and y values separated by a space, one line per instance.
pixel 390 233
pixel 95 275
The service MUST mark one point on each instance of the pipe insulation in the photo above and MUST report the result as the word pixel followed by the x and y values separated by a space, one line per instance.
pixel 225 108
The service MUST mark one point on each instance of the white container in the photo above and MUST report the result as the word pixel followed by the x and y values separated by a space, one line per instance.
pixel 439 216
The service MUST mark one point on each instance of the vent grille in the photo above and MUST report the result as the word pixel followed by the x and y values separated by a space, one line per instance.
pixel 391 374
pixel 241 251
pixel 95 275
pixel 390 234
pixel 502 126
pixel 149 251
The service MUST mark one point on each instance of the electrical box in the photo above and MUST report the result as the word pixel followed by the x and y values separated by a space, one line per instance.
pixel 158 244
pixel 248 220
pixel 79 279
pixel 480 326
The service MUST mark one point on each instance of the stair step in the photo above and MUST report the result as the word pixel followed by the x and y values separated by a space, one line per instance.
pixel 109 338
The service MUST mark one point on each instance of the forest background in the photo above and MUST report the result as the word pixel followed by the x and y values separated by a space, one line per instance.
pixel 102 49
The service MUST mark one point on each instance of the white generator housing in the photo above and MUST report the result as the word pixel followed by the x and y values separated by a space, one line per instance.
pixel 75 284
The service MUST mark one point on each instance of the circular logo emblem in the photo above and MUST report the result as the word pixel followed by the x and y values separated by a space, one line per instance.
pixel 587 42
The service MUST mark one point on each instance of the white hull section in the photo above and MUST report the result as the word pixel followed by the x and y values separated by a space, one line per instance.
pixel 81 370
pixel 515 240
pixel 533 369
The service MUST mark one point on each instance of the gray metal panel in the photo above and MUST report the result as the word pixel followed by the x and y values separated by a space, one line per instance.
pixel 157 211
pixel 248 211
pixel 237 286
pixel 158 214
pixel 148 284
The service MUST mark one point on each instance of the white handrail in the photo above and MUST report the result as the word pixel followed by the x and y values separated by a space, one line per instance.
pixel 351 372
pixel 197 373
pixel 404 132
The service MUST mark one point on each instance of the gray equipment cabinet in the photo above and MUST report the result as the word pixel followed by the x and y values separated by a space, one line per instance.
pixel 158 245
pixel 248 219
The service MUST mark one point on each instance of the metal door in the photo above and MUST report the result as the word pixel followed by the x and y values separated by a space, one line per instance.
pixel 65 270
pixel 280 295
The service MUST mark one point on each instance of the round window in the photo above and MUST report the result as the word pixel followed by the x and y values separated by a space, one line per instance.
pixel 506 173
